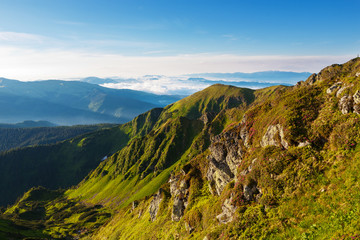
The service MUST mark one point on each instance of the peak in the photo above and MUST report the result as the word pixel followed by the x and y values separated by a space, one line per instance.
pixel 337 72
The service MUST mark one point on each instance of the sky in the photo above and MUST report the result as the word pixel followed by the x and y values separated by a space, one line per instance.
pixel 61 39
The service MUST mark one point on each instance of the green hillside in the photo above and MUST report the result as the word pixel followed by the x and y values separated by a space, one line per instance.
pixel 66 163
pixel 16 137
pixel 224 163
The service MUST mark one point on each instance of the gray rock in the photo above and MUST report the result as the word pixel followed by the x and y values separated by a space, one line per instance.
pixel 228 211
pixel 226 155
pixel 342 89
pixel 134 205
pixel 207 117
pixel 250 191
pixel 188 227
pixel 248 170
pixel 274 136
pixel 356 97
pixel 312 79
pixel 155 204
pixel 244 133
pixel 180 194
pixel 178 209
pixel 346 104
pixel 140 214
pixel 299 84
pixel 219 176
pixel 357 74
pixel 304 144
pixel 333 88
pixel 357 109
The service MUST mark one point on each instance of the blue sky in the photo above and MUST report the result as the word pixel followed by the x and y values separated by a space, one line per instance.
pixel 42 39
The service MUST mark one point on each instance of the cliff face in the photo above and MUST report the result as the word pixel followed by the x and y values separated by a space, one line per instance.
pixel 226 153
pixel 275 163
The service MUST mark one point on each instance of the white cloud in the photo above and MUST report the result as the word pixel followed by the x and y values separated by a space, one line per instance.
pixel 160 85
pixel 15 37
pixel 29 64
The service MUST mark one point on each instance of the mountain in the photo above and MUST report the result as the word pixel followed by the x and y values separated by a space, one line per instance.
pixel 23 134
pixel 71 102
pixel 264 77
pixel 224 163
pixel 98 81
pixel 28 124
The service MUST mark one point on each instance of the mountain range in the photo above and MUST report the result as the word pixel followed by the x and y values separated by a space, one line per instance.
pixel 280 162
pixel 72 102
pixel 190 83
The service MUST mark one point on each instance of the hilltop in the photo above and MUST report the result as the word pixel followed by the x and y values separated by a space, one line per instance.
pixel 224 163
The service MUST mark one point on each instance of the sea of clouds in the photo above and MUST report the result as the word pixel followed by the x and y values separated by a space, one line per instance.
pixel 188 84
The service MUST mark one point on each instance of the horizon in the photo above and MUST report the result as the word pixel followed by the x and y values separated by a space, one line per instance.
pixel 67 39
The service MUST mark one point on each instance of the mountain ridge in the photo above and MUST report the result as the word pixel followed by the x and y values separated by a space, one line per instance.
pixel 71 102
pixel 275 163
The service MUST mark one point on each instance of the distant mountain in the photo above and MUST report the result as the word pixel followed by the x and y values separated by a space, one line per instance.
pixel 266 76
pixel 28 124
pixel 22 135
pixel 71 102
pixel 96 80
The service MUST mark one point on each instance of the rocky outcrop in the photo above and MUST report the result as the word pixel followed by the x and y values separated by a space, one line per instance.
pixel 346 104
pixel 274 136
pixel 356 97
pixel 228 211
pixel 207 117
pixel 356 109
pixel 244 133
pixel 134 205
pixel 304 144
pixel 226 154
pixel 312 79
pixel 189 228
pixel 155 204
pixel 251 191
pixel 333 88
pixel 248 170
pixel 180 193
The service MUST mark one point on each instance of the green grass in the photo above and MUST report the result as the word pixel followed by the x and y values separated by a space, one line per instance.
pixel 307 192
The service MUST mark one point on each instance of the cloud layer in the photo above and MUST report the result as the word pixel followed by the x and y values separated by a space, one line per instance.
pixel 29 63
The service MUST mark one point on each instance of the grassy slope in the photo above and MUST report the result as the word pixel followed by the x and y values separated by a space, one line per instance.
pixel 66 163
pixel 45 214
pixel 308 193
pixel 145 163
pixel 213 99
